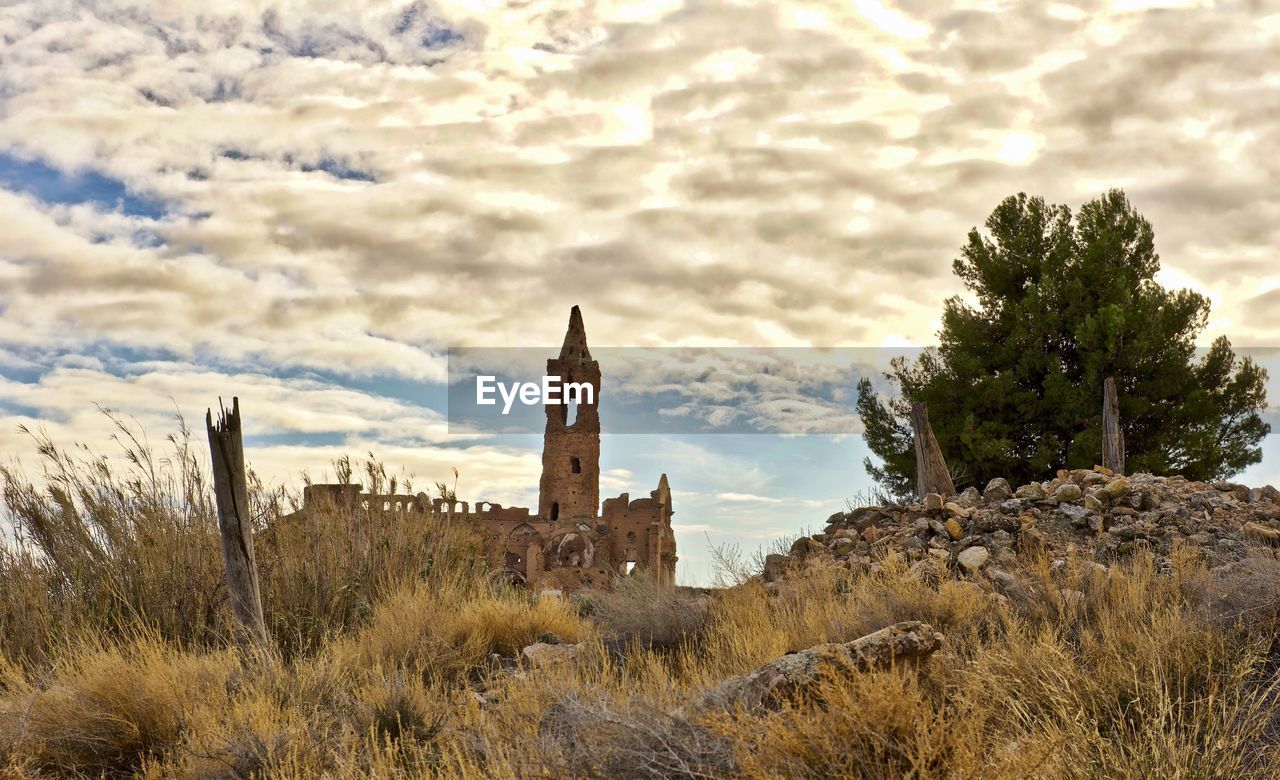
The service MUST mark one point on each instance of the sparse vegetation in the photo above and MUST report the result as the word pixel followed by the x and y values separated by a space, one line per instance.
pixel 394 653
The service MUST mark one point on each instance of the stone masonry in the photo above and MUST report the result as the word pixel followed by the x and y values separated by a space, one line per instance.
pixel 572 542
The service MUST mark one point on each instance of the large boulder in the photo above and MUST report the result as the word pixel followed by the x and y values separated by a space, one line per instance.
pixel 1261 534
pixel 793 674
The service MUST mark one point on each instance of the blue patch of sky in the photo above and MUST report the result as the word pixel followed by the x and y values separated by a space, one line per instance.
pixel 429 395
pixel 52 185
pixel 225 90
pixel 316 41
pixel 293 438
pixel 432 32
pixel 339 170
pixel 440 37
pixel 8 407
pixel 799 481
pixel 336 167
pixel 27 373
pixel 126 360
pixel 1266 472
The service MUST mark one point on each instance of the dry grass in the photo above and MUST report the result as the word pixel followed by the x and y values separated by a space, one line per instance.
pixel 447 630
pixel 391 639
pixel 108 545
pixel 640 614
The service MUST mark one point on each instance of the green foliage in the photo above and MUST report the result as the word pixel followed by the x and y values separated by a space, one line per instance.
pixel 1015 386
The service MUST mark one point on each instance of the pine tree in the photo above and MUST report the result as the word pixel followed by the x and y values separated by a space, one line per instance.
pixel 1061 302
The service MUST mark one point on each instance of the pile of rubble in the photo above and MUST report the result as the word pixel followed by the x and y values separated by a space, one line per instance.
pixel 1089 512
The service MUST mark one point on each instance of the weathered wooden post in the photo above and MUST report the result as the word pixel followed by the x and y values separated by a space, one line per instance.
pixel 932 475
pixel 231 490
pixel 1112 436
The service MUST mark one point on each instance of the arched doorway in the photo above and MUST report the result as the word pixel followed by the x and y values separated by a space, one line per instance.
pixel 569 549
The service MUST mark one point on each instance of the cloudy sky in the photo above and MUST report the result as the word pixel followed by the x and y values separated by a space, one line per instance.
pixel 306 203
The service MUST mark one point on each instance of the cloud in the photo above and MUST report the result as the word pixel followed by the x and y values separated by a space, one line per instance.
pixel 292 425
pixel 304 187
pixel 1264 308
pixel 419 174
pixel 747 498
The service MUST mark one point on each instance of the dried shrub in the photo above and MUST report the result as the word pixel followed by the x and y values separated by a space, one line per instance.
pixel 107 709
pixel 448 630
pixel 595 738
pixel 639 612
pixel 103 548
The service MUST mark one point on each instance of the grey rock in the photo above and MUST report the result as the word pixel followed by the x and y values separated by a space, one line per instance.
pixel 774 565
pixel 973 558
pixel 1032 492
pixel 806 546
pixel 1067 491
pixel 1125 531
pixel 541 655
pixel 997 490
pixel 1261 534
pixel 863 517
pixel 1116 489
pixel 1004 580
pixel 1076 513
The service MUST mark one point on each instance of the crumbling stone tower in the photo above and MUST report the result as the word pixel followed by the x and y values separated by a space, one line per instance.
pixel 570 486
pixel 573 542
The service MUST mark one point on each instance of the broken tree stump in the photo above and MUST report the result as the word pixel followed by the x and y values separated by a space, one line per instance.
pixel 1112 436
pixel 231 491
pixel 908 642
pixel 932 475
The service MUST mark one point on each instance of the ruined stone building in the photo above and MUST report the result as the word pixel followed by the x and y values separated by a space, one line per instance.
pixel 573 541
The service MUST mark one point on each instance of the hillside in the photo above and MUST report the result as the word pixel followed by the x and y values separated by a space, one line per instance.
pixel 1089 626
pixel 1085 512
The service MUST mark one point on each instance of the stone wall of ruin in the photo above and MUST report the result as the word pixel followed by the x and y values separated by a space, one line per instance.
pixel 562 555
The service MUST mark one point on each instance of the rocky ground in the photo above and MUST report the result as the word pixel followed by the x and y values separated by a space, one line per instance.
pixel 1089 512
